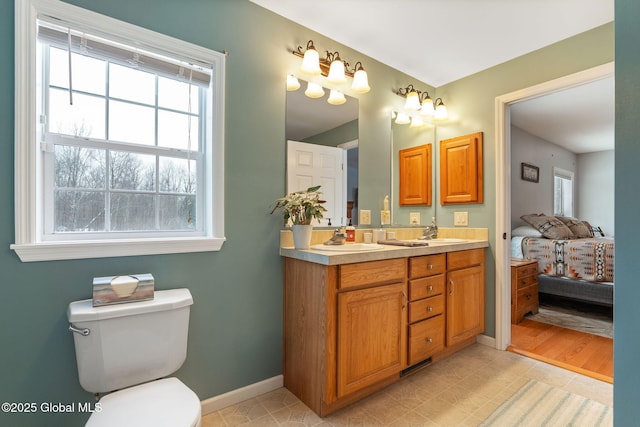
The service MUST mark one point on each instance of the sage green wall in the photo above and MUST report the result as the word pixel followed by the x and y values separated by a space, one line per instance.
pixel 472 101
pixel 336 136
pixel 235 335
pixel 626 393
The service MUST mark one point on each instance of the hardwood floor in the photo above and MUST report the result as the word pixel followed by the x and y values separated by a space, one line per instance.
pixel 587 354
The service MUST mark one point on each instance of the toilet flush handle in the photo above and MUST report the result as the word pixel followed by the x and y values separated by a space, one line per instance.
pixel 84 332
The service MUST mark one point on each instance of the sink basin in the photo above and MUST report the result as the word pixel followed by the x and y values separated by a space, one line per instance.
pixel 349 247
pixel 447 240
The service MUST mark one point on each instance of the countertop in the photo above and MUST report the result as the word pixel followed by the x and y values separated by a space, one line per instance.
pixel 388 252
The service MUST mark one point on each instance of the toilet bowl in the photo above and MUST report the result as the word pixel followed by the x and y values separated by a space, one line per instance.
pixel 167 402
pixel 129 351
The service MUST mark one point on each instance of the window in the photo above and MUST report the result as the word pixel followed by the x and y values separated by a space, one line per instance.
pixel 562 192
pixel 119 138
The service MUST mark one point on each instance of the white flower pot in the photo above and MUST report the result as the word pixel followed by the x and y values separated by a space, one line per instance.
pixel 301 236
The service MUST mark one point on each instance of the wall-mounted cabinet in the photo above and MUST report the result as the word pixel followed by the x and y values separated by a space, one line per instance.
pixel 461 169
pixel 415 175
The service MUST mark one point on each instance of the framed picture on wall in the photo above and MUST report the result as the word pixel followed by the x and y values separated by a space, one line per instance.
pixel 530 172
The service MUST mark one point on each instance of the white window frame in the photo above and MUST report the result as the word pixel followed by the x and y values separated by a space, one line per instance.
pixel 29 244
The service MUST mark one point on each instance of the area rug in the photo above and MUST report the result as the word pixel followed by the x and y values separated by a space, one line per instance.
pixel 595 322
pixel 539 404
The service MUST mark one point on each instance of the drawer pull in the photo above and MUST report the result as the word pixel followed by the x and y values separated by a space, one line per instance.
pixel 430 288
pixel 429 266
pixel 429 309
pixel 528 296
pixel 428 339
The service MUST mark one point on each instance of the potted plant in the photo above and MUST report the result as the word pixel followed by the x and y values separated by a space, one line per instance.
pixel 300 208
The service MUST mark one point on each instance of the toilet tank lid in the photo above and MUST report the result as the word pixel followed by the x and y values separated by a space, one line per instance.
pixel 83 311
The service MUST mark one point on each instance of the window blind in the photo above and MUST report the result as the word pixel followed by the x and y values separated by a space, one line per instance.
pixel 88 44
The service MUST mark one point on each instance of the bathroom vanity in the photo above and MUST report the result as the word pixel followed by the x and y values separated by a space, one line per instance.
pixel 355 322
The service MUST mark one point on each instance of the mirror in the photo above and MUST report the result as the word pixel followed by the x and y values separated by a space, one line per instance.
pixel 405 137
pixel 320 138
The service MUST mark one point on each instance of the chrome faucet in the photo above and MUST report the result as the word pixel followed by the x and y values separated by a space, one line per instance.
pixel 431 231
pixel 337 239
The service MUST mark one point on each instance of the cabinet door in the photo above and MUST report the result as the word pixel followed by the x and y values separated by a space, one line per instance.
pixel 461 169
pixel 372 329
pixel 415 175
pixel 465 304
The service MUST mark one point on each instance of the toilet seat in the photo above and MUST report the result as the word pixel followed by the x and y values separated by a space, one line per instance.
pixel 166 402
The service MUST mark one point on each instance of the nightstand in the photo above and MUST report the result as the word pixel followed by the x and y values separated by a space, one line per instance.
pixel 524 288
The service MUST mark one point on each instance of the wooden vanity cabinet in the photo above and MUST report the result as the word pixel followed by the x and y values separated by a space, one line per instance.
pixel 345 330
pixel 465 295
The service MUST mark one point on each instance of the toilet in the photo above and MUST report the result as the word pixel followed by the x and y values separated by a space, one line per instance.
pixel 128 351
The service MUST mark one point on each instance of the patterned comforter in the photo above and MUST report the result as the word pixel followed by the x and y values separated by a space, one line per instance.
pixel 586 259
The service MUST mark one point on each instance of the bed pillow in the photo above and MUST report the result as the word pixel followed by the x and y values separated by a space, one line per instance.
pixel 580 229
pixel 550 226
pixel 525 231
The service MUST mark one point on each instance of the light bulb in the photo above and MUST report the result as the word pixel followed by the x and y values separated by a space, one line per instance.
pixel 360 82
pixel 402 119
pixel 413 101
pixel 314 90
pixel 427 107
pixel 292 83
pixel 416 122
pixel 336 73
pixel 311 63
pixel 336 97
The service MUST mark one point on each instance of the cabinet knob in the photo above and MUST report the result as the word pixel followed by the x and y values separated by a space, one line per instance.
pixel 429 339
pixel 429 309
pixel 528 296
pixel 430 266
pixel 430 288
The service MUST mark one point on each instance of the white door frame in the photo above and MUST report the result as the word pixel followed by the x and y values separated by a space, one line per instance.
pixel 503 185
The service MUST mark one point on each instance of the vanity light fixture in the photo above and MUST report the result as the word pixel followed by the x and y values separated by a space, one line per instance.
pixel 419 101
pixel 333 68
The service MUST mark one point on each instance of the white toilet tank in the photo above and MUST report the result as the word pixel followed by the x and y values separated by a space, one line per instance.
pixel 132 343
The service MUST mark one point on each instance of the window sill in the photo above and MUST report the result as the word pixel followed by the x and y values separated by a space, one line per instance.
pixel 53 251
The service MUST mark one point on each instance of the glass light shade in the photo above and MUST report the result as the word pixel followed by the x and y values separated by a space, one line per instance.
pixel 311 62
pixel 292 83
pixel 413 102
pixel 336 73
pixel 336 97
pixel 402 119
pixel 360 82
pixel 427 107
pixel 416 122
pixel 314 90
pixel 441 112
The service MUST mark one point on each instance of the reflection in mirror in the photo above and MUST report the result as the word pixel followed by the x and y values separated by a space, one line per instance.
pixel 404 137
pixel 321 138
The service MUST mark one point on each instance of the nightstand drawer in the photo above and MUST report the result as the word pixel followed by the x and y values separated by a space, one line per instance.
pixel 523 282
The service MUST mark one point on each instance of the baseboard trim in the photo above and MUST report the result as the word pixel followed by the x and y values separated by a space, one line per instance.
pixel 486 340
pixel 232 397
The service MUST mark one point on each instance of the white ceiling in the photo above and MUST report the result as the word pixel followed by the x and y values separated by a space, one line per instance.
pixel 439 41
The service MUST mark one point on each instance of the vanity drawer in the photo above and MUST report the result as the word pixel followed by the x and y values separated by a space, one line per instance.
pixel 426 338
pixel 372 273
pixel 464 259
pixel 426 287
pixel 427 265
pixel 426 308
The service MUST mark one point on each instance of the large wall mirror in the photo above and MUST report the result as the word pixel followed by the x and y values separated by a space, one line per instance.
pixel 321 138
pixel 404 137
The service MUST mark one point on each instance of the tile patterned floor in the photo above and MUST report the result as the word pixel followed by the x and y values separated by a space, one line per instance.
pixel 459 391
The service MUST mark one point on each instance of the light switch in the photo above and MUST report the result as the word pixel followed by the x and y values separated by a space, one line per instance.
pixel 461 218
pixel 414 218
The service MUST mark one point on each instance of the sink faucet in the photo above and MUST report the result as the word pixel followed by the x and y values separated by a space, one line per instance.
pixel 431 231
pixel 337 239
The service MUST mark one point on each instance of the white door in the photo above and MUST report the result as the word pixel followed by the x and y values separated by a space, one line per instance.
pixel 309 165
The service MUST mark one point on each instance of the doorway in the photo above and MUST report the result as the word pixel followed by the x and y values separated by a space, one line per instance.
pixel 503 185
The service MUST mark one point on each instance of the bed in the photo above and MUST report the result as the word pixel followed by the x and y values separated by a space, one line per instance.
pixel 572 261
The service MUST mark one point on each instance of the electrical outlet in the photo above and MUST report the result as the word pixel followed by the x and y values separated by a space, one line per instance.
pixel 461 218
pixel 365 217
pixel 414 218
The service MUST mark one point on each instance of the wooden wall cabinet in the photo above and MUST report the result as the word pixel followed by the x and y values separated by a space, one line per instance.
pixel 461 169
pixel 415 175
